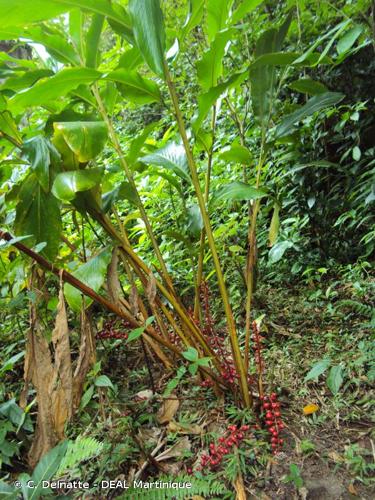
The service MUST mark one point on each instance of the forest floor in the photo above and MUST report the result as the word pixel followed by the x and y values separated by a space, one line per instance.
pixel 328 454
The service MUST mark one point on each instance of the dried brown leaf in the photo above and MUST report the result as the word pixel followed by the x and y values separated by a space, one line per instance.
pixel 151 289
pixel 168 410
pixel 175 451
pixel 178 428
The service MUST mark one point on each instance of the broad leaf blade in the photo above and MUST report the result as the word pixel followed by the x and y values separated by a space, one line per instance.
pixel 239 191
pixel 318 369
pixel 135 87
pixel 316 103
pixel 67 184
pixel 171 157
pixel 148 27
pixel 335 379
pixel 92 274
pixel 85 139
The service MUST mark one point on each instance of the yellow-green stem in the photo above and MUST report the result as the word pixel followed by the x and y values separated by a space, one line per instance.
pixel 246 396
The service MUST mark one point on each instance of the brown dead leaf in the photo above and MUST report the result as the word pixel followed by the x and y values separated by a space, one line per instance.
pixel 61 383
pixel 168 410
pixel 352 490
pixel 86 358
pixel 179 428
pixel 144 395
pixel 175 451
pixel 335 457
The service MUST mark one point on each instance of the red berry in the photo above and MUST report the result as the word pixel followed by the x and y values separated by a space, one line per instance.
pixel 277 414
pixel 245 427
pixel 272 430
pixel 266 406
pixel 232 428
pixel 269 422
pixel 189 470
pixel 273 396
pixel 274 445
pixel 240 435
pixel 275 406
pixel 274 440
pixel 281 425
pixel 281 441
pixel 269 415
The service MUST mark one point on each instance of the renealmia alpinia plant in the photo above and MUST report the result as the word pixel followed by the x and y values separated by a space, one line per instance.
pixel 72 105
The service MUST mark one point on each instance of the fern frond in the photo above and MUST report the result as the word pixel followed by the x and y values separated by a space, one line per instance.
pixel 83 448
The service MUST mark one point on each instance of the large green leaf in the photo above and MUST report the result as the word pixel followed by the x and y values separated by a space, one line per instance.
pixel 171 157
pixel 46 468
pixel 67 184
pixel 38 214
pixel 92 41
pixel 308 86
pixel 112 11
pixel 275 59
pixel 237 154
pixel 148 27
pixel 24 80
pixel 8 128
pixel 277 251
pixel 194 221
pixel 37 151
pixel 263 77
pixel 85 139
pixel 92 274
pixel 22 12
pixel 217 16
pixel 245 8
pixel 239 191
pixel 335 379
pixel 208 99
pixel 196 8
pixel 122 192
pixel 348 40
pixel 135 87
pixel 47 90
pixel 316 103
pixel 210 66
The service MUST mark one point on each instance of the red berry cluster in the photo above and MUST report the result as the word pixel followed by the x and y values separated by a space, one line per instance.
pixel 229 373
pixel 234 437
pixel 207 383
pixel 273 420
pixel 112 329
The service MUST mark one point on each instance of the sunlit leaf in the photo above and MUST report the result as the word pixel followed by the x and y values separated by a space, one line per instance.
pixel 239 191
pixel 85 139
pixel 171 157
pixel 148 27
pixel 67 184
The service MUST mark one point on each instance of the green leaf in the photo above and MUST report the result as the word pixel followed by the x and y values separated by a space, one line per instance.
pixel 171 157
pixel 46 468
pixel 210 66
pixel 113 11
pixel 38 214
pixel 122 192
pixel 135 87
pixel 92 274
pixel 8 128
pixel 49 89
pixel 191 354
pixel 335 379
pixel 217 16
pixel 318 369
pixel 278 250
pixel 37 151
pixel 237 154
pixel 308 86
pixel 85 139
pixel 263 77
pixel 208 99
pixel 22 12
pixel 104 381
pixel 245 8
pixel 194 221
pixel 8 491
pixel 67 184
pixel 196 8
pixel 135 334
pixel 274 226
pixel 356 153
pixel 348 40
pixel 316 103
pixel 86 398
pixel 92 41
pixel 25 80
pixel 239 191
pixel 274 59
pixel 148 27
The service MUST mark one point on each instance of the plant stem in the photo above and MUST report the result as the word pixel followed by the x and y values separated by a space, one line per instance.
pixel 197 306
pixel 116 144
pixel 246 396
